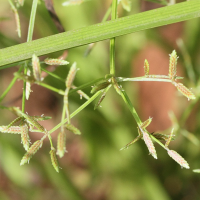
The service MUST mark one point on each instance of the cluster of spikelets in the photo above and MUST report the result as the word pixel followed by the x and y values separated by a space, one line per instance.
pixel 172 75
pixel 143 133
pixel 146 136
pixel 28 123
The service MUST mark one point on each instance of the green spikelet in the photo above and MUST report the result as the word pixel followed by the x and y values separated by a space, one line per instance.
pixel 54 160
pixel 179 159
pixel 36 67
pixel 146 123
pixel 146 67
pixel 31 151
pixel 11 129
pixel 25 136
pixel 61 142
pixel 172 65
pixel 50 61
pixel 71 75
pixel 185 91
pixel 73 129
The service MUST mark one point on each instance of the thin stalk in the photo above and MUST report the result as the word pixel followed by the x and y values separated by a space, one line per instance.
pixel 53 75
pixel 50 140
pixel 10 85
pixel 144 79
pixel 29 38
pixel 76 111
pixel 105 18
pixel 50 88
pixel 86 85
pixel 63 117
pixel 112 41
pixel 130 106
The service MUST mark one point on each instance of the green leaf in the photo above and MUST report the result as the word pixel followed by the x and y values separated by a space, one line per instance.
pixel 98 32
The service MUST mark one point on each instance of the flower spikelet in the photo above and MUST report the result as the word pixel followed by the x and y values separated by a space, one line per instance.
pixel 169 138
pixel 172 65
pixel 146 123
pixel 11 129
pixel 61 148
pixel 73 129
pixel 50 61
pixel 54 160
pixel 31 151
pixel 36 67
pixel 149 144
pixel 185 91
pixel 179 159
pixel 71 75
pixel 25 136
pixel 28 86
pixel 146 67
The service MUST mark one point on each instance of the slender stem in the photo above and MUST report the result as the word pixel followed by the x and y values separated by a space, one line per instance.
pixel 157 141
pixel 50 139
pixel 50 87
pixel 10 85
pixel 91 46
pixel 86 85
pixel 24 89
pixel 112 41
pixel 63 117
pixel 105 18
pixel 66 104
pixel 32 20
pixel 130 106
pixel 76 111
pixel 29 38
pixel 53 75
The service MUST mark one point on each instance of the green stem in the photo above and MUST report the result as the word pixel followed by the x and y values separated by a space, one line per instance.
pixel 24 89
pixel 50 139
pixel 53 75
pixel 130 106
pixel 10 85
pixel 112 41
pixel 76 111
pixel 51 88
pixel 86 85
pixel 29 38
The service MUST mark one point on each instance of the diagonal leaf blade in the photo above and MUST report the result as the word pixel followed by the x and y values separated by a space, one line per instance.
pixel 98 32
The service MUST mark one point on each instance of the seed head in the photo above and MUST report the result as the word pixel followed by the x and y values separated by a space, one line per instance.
pixel 180 160
pixel 61 142
pixel 50 61
pixel 185 91
pixel 31 151
pixel 146 67
pixel 71 75
pixel 25 136
pixel 146 123
pixel 54 160
pixel 149 144
pixel 172 65
pixel 36 67
pixel 11 129
pixel 73 129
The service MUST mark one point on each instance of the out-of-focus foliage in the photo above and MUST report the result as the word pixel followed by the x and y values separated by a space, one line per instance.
pixel 94 168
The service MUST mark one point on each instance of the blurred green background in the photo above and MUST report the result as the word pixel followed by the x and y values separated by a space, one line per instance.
pixel 94 168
